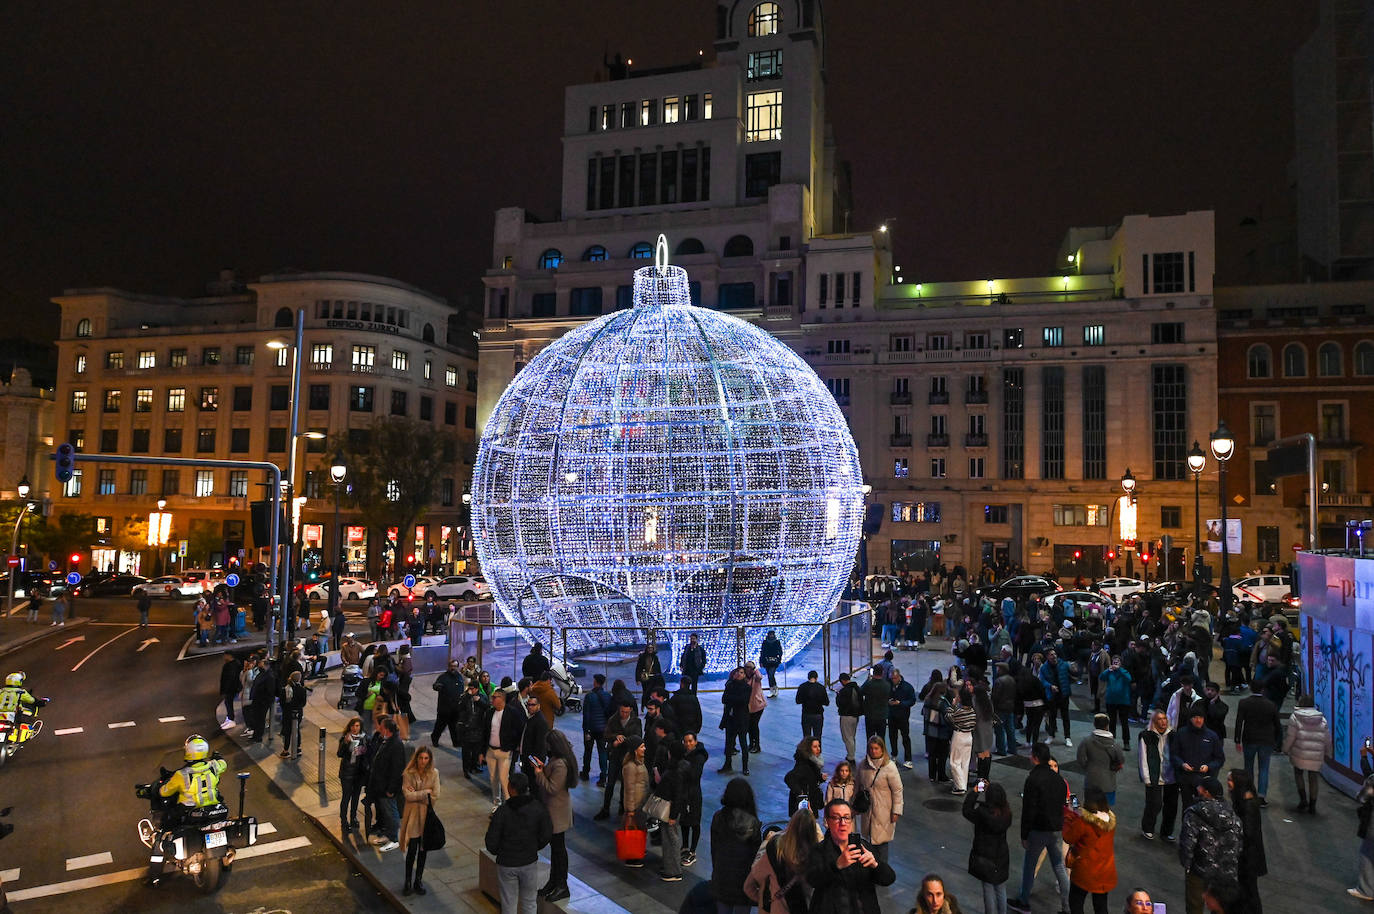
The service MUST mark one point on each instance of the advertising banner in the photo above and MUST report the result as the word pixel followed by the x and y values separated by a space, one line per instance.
pixel 1232 535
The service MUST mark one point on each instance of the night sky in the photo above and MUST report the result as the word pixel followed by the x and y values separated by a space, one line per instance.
pixel 148 145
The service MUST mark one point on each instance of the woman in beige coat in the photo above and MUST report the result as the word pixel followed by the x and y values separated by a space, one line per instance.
pixel 635 777
pixel 878 775
pixel 1307 744
pixel 420 785
pixel 553 779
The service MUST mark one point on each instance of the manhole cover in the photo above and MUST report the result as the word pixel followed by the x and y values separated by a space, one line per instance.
pixel 943 804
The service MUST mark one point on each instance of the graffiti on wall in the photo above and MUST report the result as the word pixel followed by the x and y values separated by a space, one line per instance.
pixel 1343 686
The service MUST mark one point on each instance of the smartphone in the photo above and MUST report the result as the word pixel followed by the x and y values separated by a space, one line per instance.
pixel 532 760
pixel 1073 800
pixel 981 785
pixel 1368 743
pixel 1159 908
pixel 854 840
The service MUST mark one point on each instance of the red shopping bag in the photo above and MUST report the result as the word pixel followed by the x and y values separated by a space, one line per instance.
pixel 631 843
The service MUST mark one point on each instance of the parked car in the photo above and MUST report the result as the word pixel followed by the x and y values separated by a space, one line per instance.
pixel 109 585
pixel 1179 591
pixel 1263 588
pixel 1021 586
pixel 423 583
pixel 460 587
pixel 349 589
pixel 1119 588
pixel 207 578
pixel 170 586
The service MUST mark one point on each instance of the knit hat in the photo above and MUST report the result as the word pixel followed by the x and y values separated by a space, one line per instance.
pixel 1212 786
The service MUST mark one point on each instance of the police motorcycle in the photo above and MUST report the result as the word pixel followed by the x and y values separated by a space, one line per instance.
pixel 18 725
pixel 198 842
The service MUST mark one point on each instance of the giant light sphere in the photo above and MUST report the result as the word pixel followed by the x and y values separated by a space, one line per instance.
pixel 667 467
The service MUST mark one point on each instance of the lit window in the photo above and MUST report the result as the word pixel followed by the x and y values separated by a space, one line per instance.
pixel 670 109
pixel 321 354
pixel 643 250
pixel 114 360
pixel 1094 335
pixel 105 482
pixel 283 357
pixel 429 369
pixel 83 328
pixel 78 401
pixel 551 259
pixel 400 360
pixel 765 64
pixel 764 20
pixel 238 483
pixel 205 483
pixel 176 400
pixel 113 399
pixel 364 357
pixel 72 487
pixel 209 399
pixel 143 400
pixel 1054 336
pixel 450 376
pixel 80 364
pixel 147 358
pixel 177 358
pixel 901 468
pixel 763 116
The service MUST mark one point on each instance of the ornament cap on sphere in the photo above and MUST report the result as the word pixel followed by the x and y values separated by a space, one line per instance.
pixel 661 284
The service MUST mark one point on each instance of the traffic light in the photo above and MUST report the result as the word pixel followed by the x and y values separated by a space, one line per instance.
pixel 76 558
pixel 1145 558
pixel 1111 555
pixel 1077 554
pixel 65 462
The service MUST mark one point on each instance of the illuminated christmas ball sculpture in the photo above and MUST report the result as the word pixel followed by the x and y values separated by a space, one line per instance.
pixel 667 466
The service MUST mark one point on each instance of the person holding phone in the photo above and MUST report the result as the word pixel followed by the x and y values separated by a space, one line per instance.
pixel 989 858
pixel 553 780
pixel 842 870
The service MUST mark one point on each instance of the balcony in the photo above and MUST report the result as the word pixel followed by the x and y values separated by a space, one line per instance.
pixel 1341 499
pixel 940 355
pixel 972 440
pixel 938 397
pixel 899 398
pixel 900 440
pixel 972 397
pixel 898 357
pixel 934 440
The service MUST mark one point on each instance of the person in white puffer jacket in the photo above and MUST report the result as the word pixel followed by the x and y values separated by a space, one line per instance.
pixel 1307 745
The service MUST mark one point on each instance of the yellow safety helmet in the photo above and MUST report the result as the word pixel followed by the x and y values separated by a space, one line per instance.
pixel 15 679
pixel 197 749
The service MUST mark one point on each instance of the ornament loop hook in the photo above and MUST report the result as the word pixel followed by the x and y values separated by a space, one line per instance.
pixel 661 253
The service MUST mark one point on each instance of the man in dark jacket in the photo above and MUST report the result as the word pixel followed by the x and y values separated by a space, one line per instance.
pixel 1054 675
pixel 1209 845
pixel 472 714
pixel 1257 729
pixel 534 741
pixel 850 705
pixel 813 698
pixel 770 658
pixel 685 709
pixel 229 686
pixel 876 692
pixel 693 663
pixel 648 671
pixel 1004 693
pixel 451 686
pixel 1042 826
pixel 261 694
pixel 1216 710
pixel 515 835
pixel 384 784
pixel 535 663
pixel 899 716
pixel 620 730
pixel 844 876
pixel 1197 754
pixel 596 713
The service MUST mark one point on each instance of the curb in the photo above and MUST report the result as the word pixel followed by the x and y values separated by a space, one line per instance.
pixel 353 859
pixel 47 631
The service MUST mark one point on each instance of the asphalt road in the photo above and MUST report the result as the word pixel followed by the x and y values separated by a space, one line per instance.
pixel 121 706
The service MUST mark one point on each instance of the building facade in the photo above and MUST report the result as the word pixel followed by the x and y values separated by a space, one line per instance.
pixel 1297 359
pixel 26 437
pixel 146 375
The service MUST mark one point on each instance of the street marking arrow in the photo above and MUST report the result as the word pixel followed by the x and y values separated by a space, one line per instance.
pixel 70 641
pixel 145 644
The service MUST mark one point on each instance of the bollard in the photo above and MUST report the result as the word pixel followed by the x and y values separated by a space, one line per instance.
pixel 320 776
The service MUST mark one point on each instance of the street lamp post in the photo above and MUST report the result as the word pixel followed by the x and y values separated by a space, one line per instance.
pixel 1197 461
pixel 296 347
pixel 1223 446
pixel 337 471
pixel 1128 486
pixel 24 507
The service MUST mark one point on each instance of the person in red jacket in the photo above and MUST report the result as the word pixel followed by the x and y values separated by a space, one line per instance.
pixel 1091 834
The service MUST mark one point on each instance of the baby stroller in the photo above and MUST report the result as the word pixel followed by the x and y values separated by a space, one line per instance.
pixel 352 678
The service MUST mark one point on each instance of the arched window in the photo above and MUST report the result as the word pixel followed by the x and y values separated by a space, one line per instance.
pixel 283 318
pixel 1329 361
pixel 83 327
pixel 1258 361
pixel 642 251
pixel 739 246
pixel 427 334
pixel 690 246
pixel 1364 358
pixel 764 20
pixel 594 253
pixel 551 259
pixel 1295 360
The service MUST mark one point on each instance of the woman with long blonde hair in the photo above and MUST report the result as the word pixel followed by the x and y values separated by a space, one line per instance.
pixel 779 873
pixel 420 785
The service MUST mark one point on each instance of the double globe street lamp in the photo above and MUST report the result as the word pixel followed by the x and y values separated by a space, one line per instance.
pixel 25 506
pixel 1197 461
pixel 1223 447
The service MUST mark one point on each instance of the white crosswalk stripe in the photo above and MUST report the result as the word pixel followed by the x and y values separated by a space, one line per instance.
pixel 69 731
pixel 122 723
pixel 81 863
pixel 9 875
pixel 171 720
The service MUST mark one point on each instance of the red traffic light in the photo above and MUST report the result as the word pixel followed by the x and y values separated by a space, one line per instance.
pixel 1077 554
pixel 1111 555
pixel 76 558
pixel 410 558
pixel 1145 557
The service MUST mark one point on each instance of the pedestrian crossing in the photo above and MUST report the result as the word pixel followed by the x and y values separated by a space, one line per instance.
pixel 118 725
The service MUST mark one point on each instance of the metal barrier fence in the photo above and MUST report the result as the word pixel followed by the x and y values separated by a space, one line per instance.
pixel 845 645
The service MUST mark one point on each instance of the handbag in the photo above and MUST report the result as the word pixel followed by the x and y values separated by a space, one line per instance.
pixel 631 843
pixel 656 807
pixel 433 838
pixel 862 802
